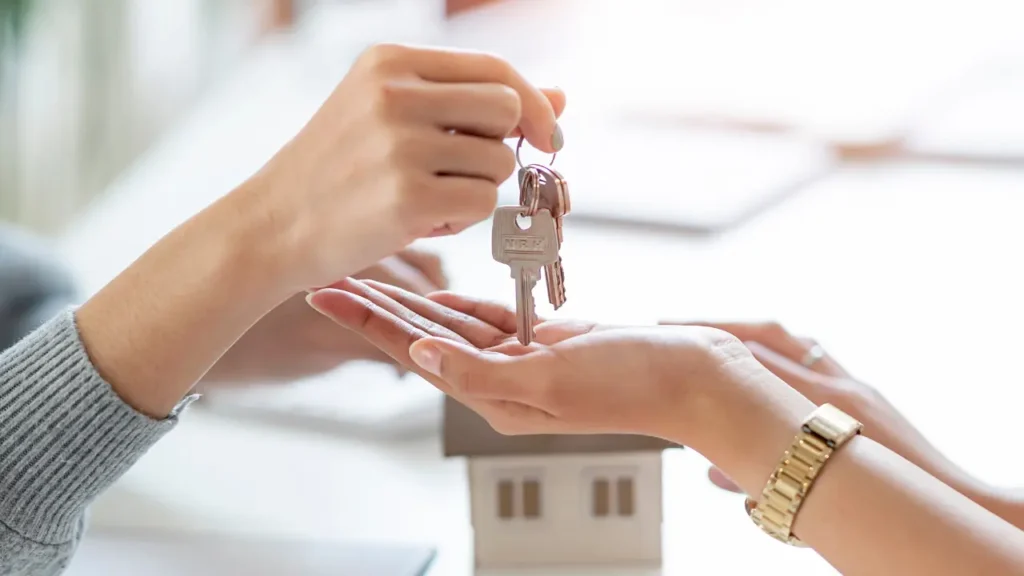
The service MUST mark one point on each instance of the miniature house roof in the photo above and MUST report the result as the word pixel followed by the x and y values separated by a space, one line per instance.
pixel 467 434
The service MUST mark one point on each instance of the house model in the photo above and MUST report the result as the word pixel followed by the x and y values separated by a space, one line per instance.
pixel 551 500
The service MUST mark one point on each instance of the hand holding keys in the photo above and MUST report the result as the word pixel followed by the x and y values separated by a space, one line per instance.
pixel 544 198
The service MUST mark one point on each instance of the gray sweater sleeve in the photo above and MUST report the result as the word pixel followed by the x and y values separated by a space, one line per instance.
pixel 65 436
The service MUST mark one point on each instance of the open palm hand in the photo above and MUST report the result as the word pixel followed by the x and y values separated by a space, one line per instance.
pixel 575 377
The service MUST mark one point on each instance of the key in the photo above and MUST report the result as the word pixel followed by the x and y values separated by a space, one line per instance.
pixel 525 251
pixel 550 192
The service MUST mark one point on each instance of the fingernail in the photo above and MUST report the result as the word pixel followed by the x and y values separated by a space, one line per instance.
pixel 557 139
pixel 309 300
pixel 427 357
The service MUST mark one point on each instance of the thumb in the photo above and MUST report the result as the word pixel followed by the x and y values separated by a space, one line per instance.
pixel 468 371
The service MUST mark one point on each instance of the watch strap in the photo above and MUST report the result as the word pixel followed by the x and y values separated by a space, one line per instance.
pixel 822 433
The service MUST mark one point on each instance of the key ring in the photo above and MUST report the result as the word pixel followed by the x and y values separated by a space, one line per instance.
pixel 529 194
pixel 520 145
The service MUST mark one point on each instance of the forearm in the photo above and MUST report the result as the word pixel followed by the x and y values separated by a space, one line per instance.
pixel 156 329
pixel 870 511
pixel 1008 504
pixel 65 436
pixel 873 512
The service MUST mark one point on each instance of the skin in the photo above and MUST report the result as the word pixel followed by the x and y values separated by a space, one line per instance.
pixel 828 382
pixel 409 145
pixel 870 512
pixel 293 341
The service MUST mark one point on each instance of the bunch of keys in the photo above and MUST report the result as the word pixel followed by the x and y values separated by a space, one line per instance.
pixel 544 198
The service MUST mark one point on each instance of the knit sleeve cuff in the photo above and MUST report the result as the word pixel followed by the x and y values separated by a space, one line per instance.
pixel 65 434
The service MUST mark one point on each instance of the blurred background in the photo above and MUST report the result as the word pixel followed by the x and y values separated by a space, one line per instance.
pixel 86 86
pixel 853 169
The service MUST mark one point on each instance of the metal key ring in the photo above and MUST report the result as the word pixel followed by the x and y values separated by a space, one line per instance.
pixel 520 145
pixel 529 193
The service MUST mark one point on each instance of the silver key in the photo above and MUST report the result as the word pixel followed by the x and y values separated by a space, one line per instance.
pixel 542 187
pixel 525 251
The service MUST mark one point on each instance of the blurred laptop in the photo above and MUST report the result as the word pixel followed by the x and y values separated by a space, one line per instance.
pixel 158 553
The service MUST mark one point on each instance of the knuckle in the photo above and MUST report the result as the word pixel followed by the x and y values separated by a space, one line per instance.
pixel 724 345
pixel 392 98
pixel 508 107
pixel 407 190
pixel 505 162
pixel 774 329
pixel 499 64
pixel 408 187
pixel 400 152
pixel 383 57
pixel 485 198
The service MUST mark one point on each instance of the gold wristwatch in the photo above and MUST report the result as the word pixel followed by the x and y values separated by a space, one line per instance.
pixel 824 431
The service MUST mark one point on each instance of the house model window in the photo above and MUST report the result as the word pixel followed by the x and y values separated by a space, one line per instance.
pixel 547 500
pixel 612 497
pixel 519 499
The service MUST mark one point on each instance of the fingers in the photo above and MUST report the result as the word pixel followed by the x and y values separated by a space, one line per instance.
pixel 558 101
pixel 537 121
pixel 477 332
pixel 778 339
pixel 484 375
pixel 493 313
pixel 461 201
pixel 455 154
pixel 804 380
pixel 718 478
pixel 385 302
pixel 555 331
pixel 484 385
pixel 429 264
pixel 486 110
pixel 381 328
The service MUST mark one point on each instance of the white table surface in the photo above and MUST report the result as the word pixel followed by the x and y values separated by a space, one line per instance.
pixel 909 274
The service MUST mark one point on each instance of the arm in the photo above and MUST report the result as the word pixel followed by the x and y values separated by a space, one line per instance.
pixel 913 523
pixel 65 436
pixel 869 512
pixel 1008 504
pixel 69 430
pixel 826 381
pixel 82 399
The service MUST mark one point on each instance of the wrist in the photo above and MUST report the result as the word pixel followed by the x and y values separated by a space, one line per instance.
pixel 743 419
pixel 155 330
pixel 256 236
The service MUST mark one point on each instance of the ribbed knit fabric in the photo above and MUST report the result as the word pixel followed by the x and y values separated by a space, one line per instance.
pixel 65 436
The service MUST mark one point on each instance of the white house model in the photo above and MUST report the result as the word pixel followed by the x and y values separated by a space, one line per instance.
pixel 552 500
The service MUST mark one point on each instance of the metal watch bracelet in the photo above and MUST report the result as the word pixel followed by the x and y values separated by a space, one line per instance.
pixel 822 433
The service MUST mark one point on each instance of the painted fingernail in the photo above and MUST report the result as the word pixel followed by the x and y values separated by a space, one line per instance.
pixel 427 357
pixel 557 139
